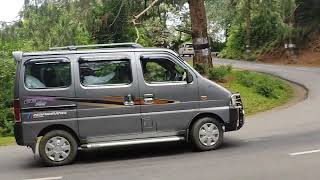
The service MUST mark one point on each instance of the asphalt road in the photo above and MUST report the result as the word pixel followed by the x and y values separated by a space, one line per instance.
pixel 279 144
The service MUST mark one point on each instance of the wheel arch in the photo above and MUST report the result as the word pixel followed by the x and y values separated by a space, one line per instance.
pixel 202 115
pixel 59 127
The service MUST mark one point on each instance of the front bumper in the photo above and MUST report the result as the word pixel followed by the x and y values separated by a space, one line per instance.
pixel 236 119
pixel 236 113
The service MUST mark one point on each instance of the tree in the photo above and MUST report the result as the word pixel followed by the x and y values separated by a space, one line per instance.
pixel 134 20
pixel 202 56
pixel 288 8
pixel 248 24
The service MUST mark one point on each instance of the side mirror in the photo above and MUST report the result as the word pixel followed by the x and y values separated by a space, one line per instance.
pixel 189 77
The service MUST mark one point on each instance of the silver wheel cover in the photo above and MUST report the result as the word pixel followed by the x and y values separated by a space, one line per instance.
pixel 209 134
pixel 57 149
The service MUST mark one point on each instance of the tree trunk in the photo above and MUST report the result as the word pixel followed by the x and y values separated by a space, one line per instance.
pixel 248 27
pixel 290 44
pixel 200 41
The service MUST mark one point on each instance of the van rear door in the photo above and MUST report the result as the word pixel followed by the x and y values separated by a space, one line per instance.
pixel 45 94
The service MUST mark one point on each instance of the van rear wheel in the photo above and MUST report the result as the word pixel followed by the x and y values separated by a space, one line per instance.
pixel 207 134
pixel 58 148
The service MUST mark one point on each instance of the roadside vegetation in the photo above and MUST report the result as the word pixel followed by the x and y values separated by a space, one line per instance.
pixel 260 92
pixel 7 71
pixel 4 141
pixel 268 29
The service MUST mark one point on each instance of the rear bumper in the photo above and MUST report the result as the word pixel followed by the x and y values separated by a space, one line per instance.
pixel 24 135
pixel 18 134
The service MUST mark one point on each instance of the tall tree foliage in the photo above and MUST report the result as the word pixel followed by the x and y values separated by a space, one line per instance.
pixel 47 23
pixel 273 23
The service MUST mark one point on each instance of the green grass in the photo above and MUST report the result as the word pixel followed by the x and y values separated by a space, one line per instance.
pixel 255 102
pixel 6 141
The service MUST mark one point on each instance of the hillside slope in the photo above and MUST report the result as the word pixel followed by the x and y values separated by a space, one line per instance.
pixel 308 53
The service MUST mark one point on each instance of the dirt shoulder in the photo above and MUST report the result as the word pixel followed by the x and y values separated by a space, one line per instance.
pixel 307 54
pixel 306 57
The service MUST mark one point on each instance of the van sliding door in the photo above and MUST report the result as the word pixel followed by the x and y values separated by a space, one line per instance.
pixel 106 94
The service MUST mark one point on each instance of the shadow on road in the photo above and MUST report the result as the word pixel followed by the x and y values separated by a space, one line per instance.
pixel 133 152
pixel 145 151
pixel 136 152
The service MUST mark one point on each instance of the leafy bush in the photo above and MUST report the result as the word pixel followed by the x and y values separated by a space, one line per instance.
pixel 259 92
pixel 6 122
pixel 7 69
pixel 269 87
pixel 229 68
pixel 247 78
pixel 265 89
pixel 219 73
pixel 201 68
pixel 235 45
pixel 263 85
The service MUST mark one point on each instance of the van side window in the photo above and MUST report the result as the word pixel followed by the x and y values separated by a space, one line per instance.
pixel 109 72
pixel 42 75
pixel 162 70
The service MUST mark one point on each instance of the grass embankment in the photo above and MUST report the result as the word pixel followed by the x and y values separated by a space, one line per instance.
pixel 259 92
pixel 6 141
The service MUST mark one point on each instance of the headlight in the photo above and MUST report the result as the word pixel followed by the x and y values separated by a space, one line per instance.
pixel 235 100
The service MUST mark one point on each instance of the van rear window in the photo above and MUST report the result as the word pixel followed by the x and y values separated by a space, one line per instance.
pixel 42 75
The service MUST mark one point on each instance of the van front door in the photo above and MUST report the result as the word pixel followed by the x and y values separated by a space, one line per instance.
pixel 106 93
pixel 169 102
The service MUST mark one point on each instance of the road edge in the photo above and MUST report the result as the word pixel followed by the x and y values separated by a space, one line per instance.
pixel 297 92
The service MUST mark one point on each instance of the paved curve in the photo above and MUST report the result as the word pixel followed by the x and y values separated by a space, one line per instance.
pixel 258 151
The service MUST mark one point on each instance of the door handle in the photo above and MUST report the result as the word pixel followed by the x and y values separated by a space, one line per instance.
pixel 148 95
pixel 148 98
pixel 128 100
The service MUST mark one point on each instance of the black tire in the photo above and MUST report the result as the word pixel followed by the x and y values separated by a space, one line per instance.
pixel 195 137
pixel 71 142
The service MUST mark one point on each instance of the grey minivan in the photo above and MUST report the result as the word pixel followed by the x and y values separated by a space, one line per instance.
pixel 78 97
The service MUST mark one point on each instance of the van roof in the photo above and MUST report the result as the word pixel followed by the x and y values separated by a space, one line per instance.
pixel 61 52
pixel 87 50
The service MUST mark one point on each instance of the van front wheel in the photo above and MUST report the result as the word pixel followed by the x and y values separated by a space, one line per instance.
pixel 207 134
pixel 58 148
